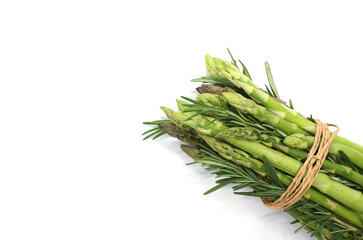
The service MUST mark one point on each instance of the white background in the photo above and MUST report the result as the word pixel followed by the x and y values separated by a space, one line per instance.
pixel 78 78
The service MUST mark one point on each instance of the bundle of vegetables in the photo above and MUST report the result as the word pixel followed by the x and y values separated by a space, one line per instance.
pixel 249 138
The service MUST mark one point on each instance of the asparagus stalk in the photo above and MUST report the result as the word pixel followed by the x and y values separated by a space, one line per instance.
pixel 300 141
pixel 210 88
pixel 203 124
pixel 254 134
pixel 211 99
pixel 304 142
pixel 224 70
pixel 182 134
pixel 235 155
pixel 220 69
pixel 261 113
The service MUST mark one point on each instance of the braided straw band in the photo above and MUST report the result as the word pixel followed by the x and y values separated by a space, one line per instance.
pixel 302 182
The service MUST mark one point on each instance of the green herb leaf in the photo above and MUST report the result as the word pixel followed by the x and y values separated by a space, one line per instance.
pixel 271 81
pixel 271 172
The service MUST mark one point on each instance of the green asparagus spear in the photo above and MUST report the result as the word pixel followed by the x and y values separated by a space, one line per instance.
pixel 182 134
pixel 304 142
pixel 261 113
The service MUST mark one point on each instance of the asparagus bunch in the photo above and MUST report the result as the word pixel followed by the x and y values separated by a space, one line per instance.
pixel 251 138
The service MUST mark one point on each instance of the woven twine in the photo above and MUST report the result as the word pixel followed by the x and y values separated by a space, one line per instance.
pixel 302 182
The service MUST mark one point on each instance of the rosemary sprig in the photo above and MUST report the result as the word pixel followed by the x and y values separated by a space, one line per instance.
pixel 321 221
